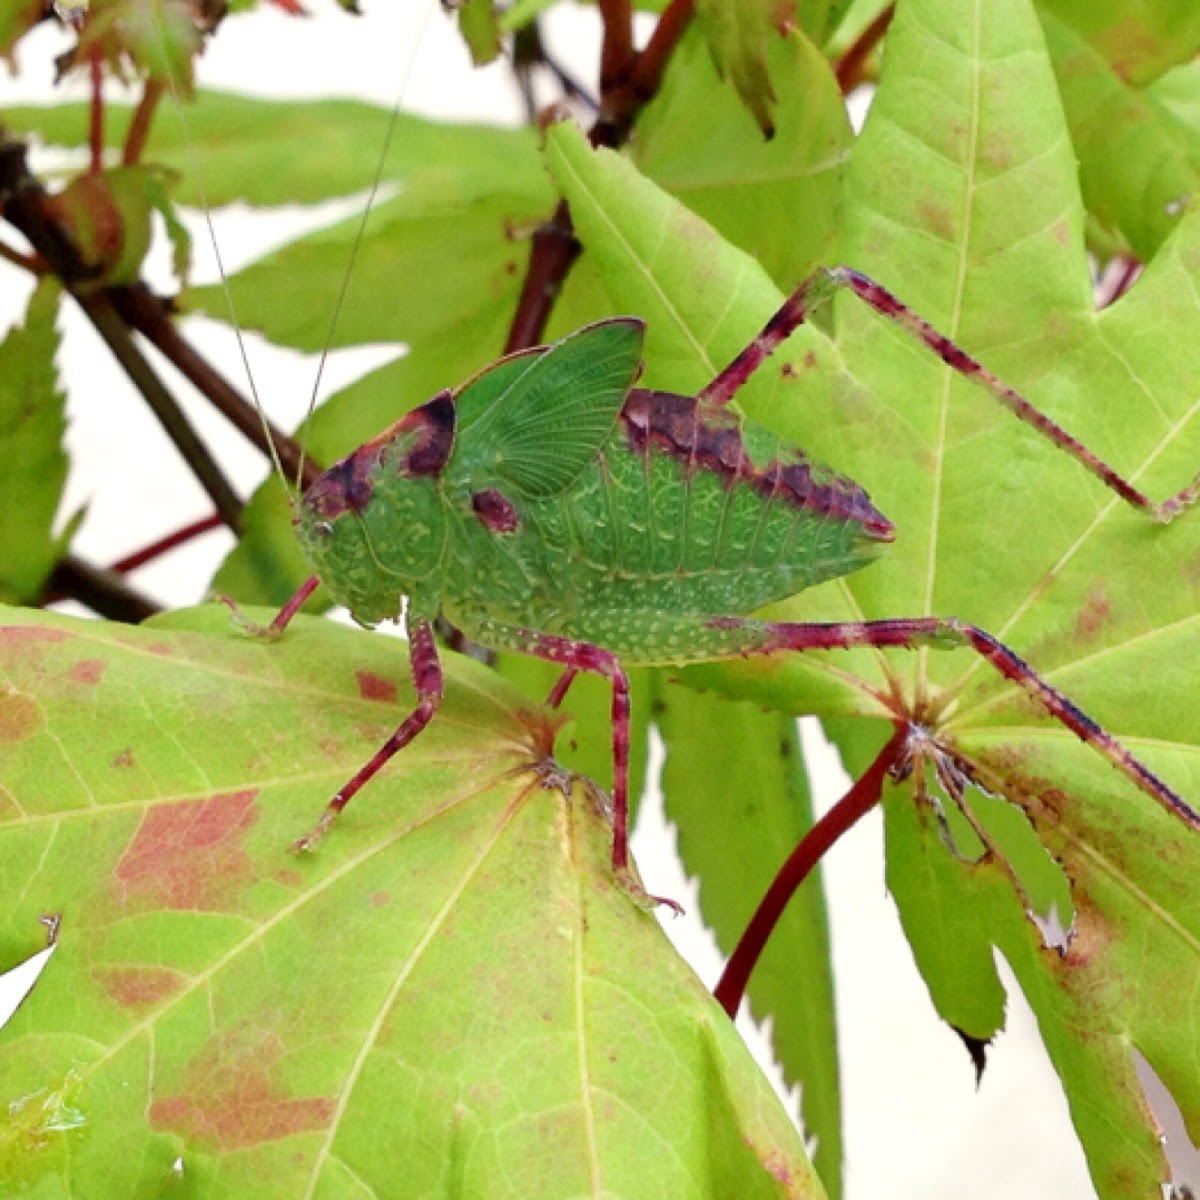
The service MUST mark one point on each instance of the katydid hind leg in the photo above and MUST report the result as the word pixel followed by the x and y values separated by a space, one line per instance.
pixel 428 682
pixel 821 286
pixel 558 693
pixel 753 637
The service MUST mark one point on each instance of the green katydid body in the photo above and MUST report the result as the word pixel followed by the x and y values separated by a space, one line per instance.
pixel 549 495
pixel 551 507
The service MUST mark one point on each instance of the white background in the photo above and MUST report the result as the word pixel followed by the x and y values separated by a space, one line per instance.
pixel 915 1124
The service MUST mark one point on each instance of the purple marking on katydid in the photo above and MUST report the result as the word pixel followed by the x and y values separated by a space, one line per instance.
pixel 346 487
pixel 495 511
pixel 711 439
pixel 424 437
pixel 433 424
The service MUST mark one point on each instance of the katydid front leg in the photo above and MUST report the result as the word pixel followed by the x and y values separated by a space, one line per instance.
pixel 428 682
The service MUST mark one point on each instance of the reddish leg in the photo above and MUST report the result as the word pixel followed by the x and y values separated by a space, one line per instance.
pixel 558 693
pixel 823 284
pixel 762 637
pixel 581 656
pixel 282 619
pixel 576 657
pixel 427 677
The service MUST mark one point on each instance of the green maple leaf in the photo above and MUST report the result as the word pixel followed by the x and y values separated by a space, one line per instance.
pixel 451 998
pixel 962 196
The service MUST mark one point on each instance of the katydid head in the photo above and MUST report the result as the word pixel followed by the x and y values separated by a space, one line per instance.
pixel 372 526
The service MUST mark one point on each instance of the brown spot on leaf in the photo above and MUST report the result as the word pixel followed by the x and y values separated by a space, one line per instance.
pixel 289 877
pixel 230 1098
pixel 1094 615
pixel 125 758
pixel 189 855
pixel 1092 936
pixel 88 671
pixel 375 687
pixel 25 645
pixel 937 218
pixel 138 987
pixel 20 716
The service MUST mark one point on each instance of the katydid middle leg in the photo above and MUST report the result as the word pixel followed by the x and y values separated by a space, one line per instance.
pixel 578 656
pixel 821 286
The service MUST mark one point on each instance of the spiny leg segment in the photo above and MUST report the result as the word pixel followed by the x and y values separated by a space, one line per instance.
pixel 766 637
pixel 823 284
pixel 427 679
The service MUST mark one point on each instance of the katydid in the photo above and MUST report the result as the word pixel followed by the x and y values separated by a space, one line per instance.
pixel 549 506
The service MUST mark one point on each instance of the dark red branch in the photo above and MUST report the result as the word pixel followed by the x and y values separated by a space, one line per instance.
pixel 850 68
pixel 25 207
pixel 555 249
pixel 617 50
pixel 103 591
pixel 139 127
pixel 647 71
pixel 96 114
pixel 628 81
pixel 856 803
pixel 28 262
pixel 172 541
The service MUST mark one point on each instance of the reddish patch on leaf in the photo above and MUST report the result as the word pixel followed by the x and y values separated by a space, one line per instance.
pixel 1094 614
pixel 379 899
pixel 89 671
pixel 375 687
pixel 289 877
pixel 189 855
pixel 20 716
pixel 230 1100
pixel 125 758
pixel 21 645
pixel 1092 940
pixel 138 987
pixel 17 635
pixel 777 1166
